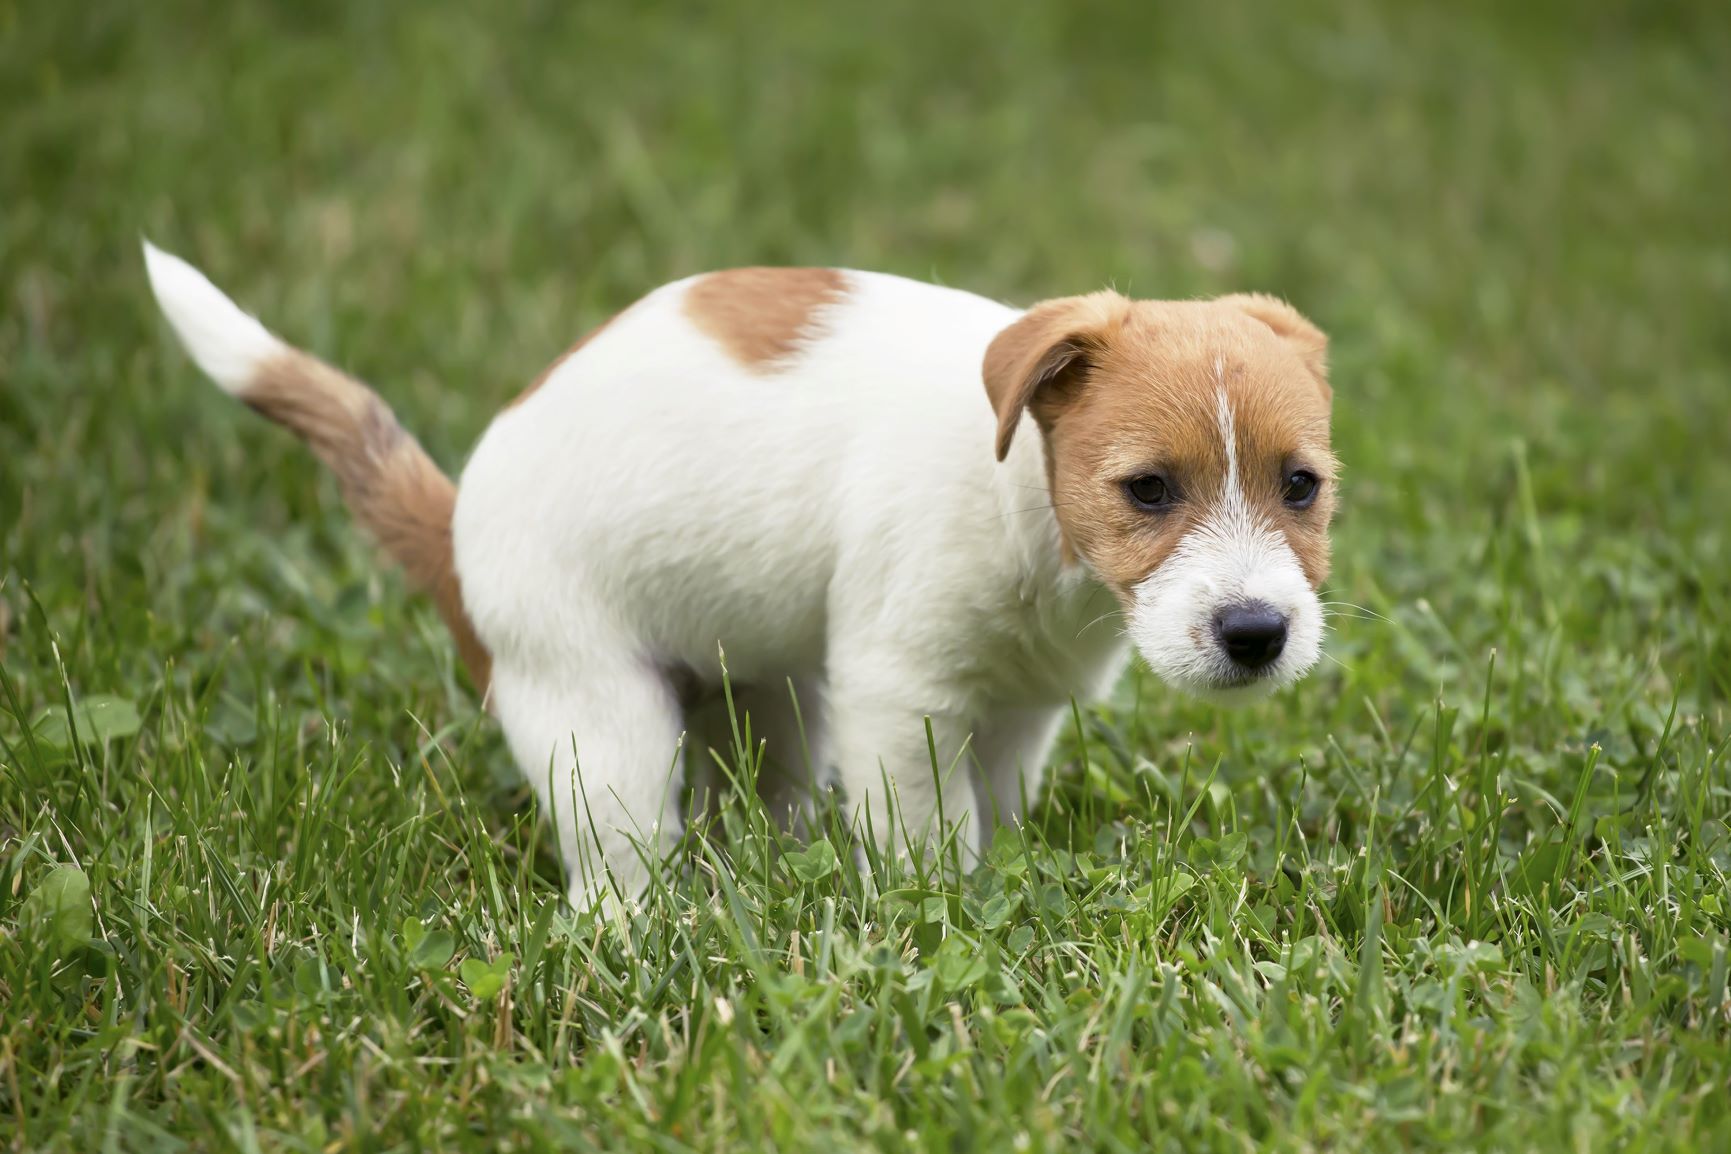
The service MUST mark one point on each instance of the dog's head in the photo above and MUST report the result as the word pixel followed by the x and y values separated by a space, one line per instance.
pixel 1187 449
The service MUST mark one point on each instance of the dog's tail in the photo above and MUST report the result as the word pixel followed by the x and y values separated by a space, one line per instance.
pixel 388 480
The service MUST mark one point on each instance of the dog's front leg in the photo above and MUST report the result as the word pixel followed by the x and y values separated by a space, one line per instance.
pixel 882 756
pixel 1012 745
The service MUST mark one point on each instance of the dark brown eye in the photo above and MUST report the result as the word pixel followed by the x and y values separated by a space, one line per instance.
pixel 1149 492
pixel 1301 488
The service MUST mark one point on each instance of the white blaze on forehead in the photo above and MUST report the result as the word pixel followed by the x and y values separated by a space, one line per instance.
pixel 1233 517
pixel 1232 556
pixel 1229 438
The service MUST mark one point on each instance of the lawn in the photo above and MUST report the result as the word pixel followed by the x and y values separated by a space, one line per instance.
pixel 268 880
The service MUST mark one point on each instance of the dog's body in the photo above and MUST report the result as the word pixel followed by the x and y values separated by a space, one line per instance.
pixel 793 471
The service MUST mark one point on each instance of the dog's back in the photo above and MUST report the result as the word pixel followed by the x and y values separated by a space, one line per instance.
pixel 696 494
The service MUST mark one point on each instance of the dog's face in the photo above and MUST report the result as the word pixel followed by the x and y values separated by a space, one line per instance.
pixel 1187 448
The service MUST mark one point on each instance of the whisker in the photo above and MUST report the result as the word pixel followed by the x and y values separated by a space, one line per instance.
pixel 1097 620
pixel 1036 509
pixel 1351 605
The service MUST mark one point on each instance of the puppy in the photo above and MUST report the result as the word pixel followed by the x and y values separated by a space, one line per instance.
pixel 908 504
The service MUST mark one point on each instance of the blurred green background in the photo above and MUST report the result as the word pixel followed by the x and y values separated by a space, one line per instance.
pixel 1511 219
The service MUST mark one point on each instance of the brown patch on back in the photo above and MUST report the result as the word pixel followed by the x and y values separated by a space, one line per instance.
pixel 387 479
pixel 547 372
pixel 759 315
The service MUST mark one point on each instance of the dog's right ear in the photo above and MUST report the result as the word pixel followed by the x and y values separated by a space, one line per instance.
pixel 1291 326
pixel 1041 358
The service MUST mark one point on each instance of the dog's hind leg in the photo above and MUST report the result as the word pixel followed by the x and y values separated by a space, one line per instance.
pixel 602 750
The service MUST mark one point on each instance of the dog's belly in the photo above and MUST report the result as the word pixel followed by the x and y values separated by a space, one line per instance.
pixel 752 592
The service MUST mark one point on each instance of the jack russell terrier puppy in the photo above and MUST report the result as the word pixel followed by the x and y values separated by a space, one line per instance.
pixel 899 501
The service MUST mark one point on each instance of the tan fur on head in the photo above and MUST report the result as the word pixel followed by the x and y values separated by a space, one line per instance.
pixel 1124 388
pixel 387 479
pixel 759 315
pixel 1290 325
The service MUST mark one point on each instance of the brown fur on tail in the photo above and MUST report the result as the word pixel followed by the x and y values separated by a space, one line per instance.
pixel 389 482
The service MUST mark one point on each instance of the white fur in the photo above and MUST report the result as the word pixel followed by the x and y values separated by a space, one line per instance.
pixel 225 342
pixel 840 520
pixel 1230 558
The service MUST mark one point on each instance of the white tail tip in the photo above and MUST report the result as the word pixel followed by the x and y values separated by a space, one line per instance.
pixel 225 342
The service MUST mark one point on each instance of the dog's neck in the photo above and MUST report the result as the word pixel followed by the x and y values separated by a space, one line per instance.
pixel 1030 513
pixel 1069 616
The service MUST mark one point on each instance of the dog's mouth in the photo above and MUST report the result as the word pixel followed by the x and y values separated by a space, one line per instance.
pixel 1230 664
pixel 1239 687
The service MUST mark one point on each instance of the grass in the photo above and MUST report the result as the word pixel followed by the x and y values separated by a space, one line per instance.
pixel 1465 886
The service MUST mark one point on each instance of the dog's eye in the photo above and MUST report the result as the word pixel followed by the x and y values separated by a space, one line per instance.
pixel 1149 492
pixel 1301 489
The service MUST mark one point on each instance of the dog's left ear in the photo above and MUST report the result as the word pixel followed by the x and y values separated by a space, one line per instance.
pixel 1045 354
pixel 1290 325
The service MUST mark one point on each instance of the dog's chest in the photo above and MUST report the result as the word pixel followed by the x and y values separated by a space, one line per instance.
pixel 1052 641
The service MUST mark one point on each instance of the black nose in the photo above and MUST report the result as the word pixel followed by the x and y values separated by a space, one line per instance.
pixel 1253 634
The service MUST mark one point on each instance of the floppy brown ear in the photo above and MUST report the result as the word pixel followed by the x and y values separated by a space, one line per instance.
pixel 1291 326
pixel 1050 345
